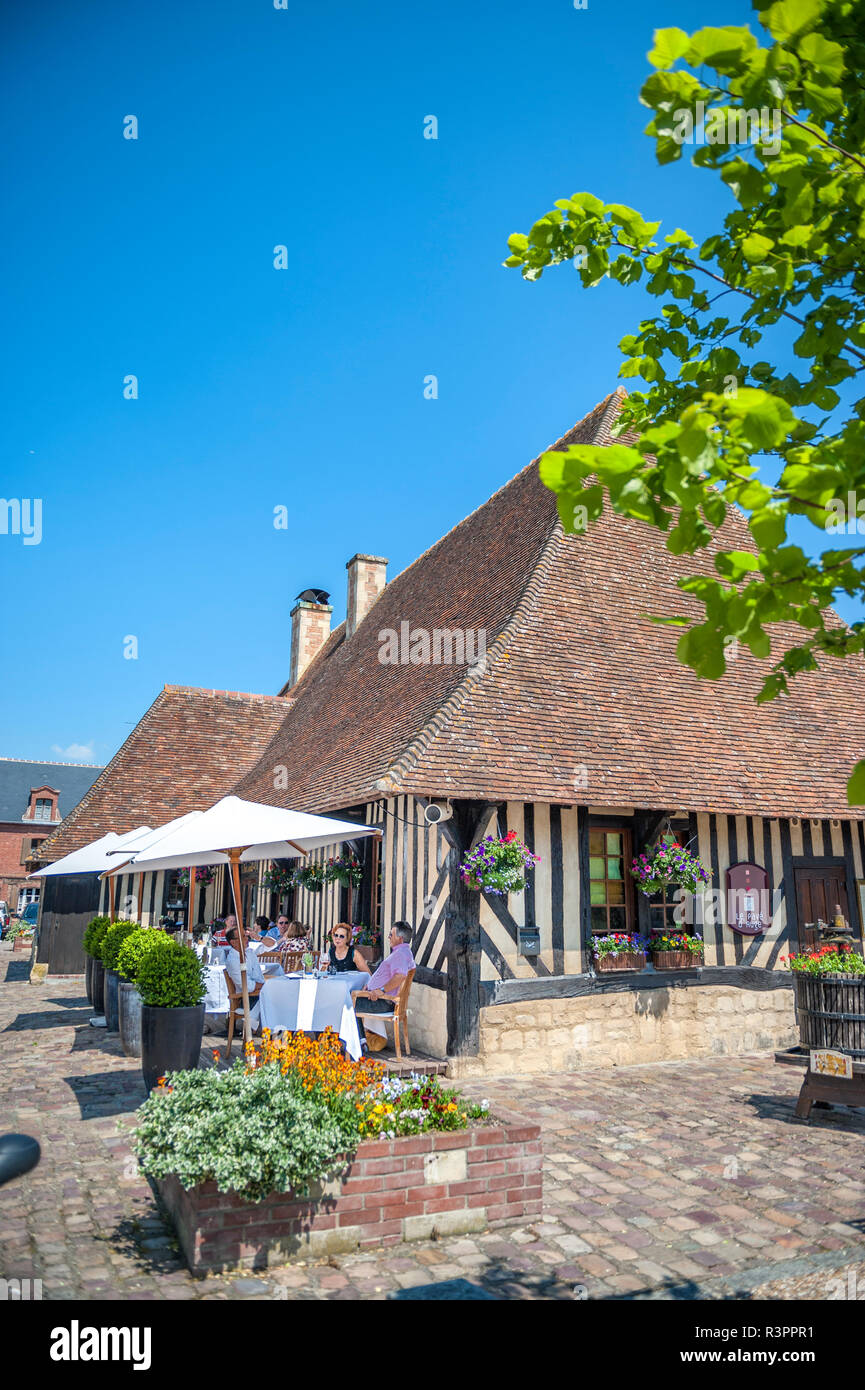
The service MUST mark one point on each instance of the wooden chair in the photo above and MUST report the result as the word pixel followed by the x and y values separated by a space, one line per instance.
pixel 399 1015
pixel 270 957
pixel 291 960
pixel 235 1009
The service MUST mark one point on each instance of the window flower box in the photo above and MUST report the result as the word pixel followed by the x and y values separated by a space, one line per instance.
pixel 624 960
pixel 619 951
pixel 676 951
pixel 677 960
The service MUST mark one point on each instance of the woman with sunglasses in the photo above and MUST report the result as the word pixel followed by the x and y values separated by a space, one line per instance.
pixel 343 956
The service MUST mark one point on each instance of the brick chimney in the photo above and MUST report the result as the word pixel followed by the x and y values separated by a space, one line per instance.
pixel 310 629
pixel 367 576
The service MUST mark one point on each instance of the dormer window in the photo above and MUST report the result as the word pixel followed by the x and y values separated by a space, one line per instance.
pixel 43 808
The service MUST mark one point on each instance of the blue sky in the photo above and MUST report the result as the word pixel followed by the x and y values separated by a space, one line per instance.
pixel 303 387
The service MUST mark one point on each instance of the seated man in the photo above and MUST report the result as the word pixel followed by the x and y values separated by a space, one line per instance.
pixel 381 993
pixel 254 975
pixel 275 934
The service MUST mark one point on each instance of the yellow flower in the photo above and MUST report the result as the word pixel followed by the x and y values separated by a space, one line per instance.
pixel 451 1106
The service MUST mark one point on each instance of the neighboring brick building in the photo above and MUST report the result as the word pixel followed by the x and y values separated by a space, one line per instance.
pixel 34 798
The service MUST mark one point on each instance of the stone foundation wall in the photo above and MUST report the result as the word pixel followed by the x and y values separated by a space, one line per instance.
pixel 392 1190
pixel 620 1029
pixel 427 1020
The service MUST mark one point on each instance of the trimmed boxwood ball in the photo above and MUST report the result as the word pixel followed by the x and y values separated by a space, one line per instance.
pixel 136 946
pixel 113 940
pixel 93 934
pixel 172 978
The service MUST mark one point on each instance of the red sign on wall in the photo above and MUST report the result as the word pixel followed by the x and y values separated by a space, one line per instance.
pixel 748 909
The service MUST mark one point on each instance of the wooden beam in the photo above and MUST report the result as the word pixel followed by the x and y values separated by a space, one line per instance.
pixel 463 930
pixel 575 986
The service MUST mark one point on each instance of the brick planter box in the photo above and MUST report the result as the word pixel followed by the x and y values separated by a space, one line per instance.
pixel 392 1190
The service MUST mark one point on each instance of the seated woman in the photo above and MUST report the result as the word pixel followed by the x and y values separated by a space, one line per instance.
pixel 344 956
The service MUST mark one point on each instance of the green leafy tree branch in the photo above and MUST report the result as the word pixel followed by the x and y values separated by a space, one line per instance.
pixel 782 123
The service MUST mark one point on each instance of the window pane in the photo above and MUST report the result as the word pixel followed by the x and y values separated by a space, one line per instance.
pixel 656 918
pixel 596 868
pixel 599 893
pixel 599 919
pixel 596 841
pixel 614 842
pixel 615 892
pixel 614 868
pixel 617 919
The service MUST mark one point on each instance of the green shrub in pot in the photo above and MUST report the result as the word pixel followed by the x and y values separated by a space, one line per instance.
pixel 93 934
pixel 172 978
pixel 112 941
pixel 171 984
pixel 136 946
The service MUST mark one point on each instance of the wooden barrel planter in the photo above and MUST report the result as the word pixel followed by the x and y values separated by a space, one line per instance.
pixel 831 1012
pixel 624 960
pixel 677 960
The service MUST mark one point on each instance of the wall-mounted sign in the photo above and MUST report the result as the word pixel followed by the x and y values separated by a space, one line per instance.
pixel 748 911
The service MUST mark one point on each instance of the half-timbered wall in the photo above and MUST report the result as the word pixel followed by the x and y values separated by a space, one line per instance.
pixel 415 883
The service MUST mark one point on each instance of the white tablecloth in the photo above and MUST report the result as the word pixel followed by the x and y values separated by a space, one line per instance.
pixel 216 998
pixel 309 1006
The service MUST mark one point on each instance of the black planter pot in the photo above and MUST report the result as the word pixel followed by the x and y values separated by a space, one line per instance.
pixel 170 1040
pixel 88 978
pixel 112 1002
pixel 129 1009
pixel 98 987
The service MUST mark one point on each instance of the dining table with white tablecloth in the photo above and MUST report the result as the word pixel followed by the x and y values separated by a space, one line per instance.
pixel 216 998
pixel 306 1004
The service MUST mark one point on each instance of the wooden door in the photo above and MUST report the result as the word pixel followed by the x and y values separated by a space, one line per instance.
pixel 818 889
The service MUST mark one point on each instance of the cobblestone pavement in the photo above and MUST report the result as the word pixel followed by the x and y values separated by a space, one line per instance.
pixel 672 1181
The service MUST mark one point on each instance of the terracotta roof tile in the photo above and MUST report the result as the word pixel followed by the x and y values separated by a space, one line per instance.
pixel 583 700
pixel 186 752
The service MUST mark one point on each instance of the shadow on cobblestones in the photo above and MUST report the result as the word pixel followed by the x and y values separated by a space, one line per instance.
pixel 767 1107
pixel 98 1093
pixel 17 972
pixel 67 1018
pixel 499 1282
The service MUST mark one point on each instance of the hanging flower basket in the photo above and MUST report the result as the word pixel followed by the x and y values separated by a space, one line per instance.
pixel 498 866
pixel 670 866
pixel 311 877
pixel 345 869
pixel 279 879
pixel 204 874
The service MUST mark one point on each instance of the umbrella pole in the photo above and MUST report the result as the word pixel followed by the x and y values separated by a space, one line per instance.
pixel 112 915
pixel 189 925
pixel 234 858
pixel 141 898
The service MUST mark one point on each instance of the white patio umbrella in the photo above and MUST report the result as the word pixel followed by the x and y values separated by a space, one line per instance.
pixel 234 831
pixel 122 852
pixel 94 858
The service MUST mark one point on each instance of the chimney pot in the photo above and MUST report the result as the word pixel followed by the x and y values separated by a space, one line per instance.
pixel 310 629
pixel 367 577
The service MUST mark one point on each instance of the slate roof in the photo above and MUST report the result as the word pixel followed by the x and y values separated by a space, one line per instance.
pixel 582 700
pixel 19 777
pixel 186 752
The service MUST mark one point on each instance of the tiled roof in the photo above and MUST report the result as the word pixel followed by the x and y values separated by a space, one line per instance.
pixel 582 701
pixel 19 777
pixel 185 753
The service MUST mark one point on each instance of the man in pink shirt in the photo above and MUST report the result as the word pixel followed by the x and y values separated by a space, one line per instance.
pixel 381 992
